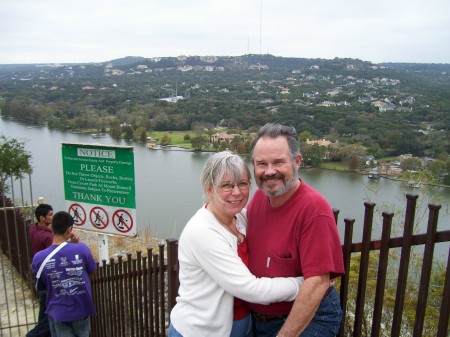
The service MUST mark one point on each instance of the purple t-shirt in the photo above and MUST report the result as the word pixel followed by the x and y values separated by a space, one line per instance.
pixel 66 279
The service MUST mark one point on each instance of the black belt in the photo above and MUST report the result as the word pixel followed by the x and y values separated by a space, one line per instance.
pixel 267 318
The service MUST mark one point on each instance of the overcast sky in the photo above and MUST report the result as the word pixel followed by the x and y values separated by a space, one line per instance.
pixel 61 31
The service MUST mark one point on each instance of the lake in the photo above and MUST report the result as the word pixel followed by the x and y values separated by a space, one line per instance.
pixel 168 190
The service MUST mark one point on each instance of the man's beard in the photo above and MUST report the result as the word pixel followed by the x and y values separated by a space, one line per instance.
pixel 286 186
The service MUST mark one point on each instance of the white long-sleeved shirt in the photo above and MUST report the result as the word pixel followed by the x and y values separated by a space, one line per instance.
pixel 212 273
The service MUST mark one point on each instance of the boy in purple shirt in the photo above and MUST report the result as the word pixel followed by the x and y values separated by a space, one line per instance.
pixel 65 276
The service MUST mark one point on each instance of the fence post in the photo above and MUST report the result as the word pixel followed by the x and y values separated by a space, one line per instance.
pixel 161 282
pixel 336 214
pixel 445 304
pixel 172 272
pixel 425 274
pixel 404 263
pixel 363 268
pixel 347 253
pixel 382 270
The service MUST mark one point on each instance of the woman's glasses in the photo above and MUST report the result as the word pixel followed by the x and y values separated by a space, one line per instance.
pixel 228 187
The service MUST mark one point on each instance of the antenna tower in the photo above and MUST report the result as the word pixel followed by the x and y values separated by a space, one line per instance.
pixel 260 27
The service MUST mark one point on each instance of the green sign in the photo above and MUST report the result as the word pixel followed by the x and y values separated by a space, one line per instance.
pixel 99 187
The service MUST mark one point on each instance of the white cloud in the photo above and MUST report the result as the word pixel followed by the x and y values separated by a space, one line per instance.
pixel 91 31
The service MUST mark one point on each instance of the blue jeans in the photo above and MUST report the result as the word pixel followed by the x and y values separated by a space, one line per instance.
pixel 242 327
pixel 173 332
pixel 41 329
pixel 70 329
pixel 325 323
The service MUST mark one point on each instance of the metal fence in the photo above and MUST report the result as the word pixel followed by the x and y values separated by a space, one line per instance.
pixel 133 297
pixel 389 289
pixel 18 302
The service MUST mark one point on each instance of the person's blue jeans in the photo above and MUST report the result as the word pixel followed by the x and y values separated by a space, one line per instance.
pixel 242 327
pixel 325 323
pixel 70 329
pixel 173 332
pixel 42 328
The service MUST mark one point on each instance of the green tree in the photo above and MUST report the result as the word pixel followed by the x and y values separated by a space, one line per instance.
pixel 313 154
pixel 199 142
pixel 115 131
pixel 128 132
pixel 14 160
pixel 354 164
pixel 165 140
pixel 411 164
pixel 304 135
pixel 349 151
pixel 140 134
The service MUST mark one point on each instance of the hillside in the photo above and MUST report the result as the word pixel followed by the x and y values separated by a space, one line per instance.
pixel 390 108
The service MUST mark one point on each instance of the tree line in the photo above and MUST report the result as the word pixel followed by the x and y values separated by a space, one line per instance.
pixel 242 93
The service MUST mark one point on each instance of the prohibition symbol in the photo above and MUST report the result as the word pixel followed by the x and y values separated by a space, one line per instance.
pixel 99 218
pixel 78 213
pixel 122 220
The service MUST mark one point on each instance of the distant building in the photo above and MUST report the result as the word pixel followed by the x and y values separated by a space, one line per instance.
pixel 221 137
pixel 172 99
pixel 405 156
pixel 322 142
pixel 327 104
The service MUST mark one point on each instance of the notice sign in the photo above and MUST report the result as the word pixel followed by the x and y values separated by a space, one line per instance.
pixel 99 187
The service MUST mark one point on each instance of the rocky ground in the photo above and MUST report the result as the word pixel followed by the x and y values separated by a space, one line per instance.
pixel 119 245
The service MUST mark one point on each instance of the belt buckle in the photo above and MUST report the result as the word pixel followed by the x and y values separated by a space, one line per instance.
pixel 266 318
pixel 260 317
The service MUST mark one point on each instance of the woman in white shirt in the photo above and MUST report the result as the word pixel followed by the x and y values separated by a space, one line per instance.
pixel 212 272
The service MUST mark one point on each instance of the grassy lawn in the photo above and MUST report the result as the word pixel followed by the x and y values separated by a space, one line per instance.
pixel 176 137
pixel 334 166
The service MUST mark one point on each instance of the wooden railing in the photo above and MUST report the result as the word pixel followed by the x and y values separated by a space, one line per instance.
pixel 132 296
pixel 127 293
pixel 385 317
pixel 388 289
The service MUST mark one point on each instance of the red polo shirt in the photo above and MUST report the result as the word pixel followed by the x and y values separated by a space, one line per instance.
pixel 40 238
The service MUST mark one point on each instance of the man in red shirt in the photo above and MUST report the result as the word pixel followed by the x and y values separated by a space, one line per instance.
pixel 41 237
pixel 40 233
pixel 292 232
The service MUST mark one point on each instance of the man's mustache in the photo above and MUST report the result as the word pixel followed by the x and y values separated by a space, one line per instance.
pixel 271 177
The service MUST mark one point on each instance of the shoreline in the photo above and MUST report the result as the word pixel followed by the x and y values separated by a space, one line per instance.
pixel 175 147
pixel 366 172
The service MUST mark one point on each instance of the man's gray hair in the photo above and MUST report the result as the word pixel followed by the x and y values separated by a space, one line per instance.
pixel 271 130
pixel 218 165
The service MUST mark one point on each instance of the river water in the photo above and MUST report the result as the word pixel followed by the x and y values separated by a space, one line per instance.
pixel 168 190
